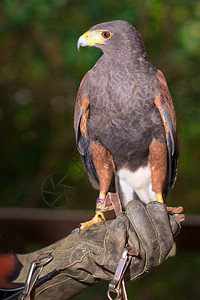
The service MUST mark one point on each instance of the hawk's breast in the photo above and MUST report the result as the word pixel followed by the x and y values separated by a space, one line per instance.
pixel 123 116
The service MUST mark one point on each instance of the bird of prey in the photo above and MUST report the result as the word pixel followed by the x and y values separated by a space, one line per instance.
pixel 125 122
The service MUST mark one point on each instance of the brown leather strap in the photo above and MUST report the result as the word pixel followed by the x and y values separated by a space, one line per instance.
pixel 112 202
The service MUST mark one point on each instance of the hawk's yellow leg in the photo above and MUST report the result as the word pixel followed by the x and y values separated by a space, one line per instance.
pixel 99 215
pixel 159 197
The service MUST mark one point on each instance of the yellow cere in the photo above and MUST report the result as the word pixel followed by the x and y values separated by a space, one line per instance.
pixel 94 37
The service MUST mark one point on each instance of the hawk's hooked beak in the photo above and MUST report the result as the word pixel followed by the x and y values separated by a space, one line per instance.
pixel 90 38
pixel 82 42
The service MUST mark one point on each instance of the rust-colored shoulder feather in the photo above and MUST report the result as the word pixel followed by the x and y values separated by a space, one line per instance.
pixel 81 114
pixel 81 117
pixel 163 102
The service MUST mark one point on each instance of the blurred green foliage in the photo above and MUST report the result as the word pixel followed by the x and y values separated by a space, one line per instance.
pixel 40 70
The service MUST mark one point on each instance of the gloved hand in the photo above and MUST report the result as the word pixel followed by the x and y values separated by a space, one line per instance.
pixel 81 259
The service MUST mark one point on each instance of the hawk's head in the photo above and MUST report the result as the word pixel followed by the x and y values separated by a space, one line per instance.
pixel 111 36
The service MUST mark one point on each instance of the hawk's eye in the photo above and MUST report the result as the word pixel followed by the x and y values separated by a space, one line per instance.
pixel 106 34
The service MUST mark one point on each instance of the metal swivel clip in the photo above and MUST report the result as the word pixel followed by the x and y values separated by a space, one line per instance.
pixel 117 284
pixel 34 272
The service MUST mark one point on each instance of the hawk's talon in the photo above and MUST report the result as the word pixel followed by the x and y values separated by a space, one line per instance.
pixel 101 218
pixel 98 218
pixel 79 228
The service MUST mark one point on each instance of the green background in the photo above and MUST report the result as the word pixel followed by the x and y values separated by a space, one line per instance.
pixel 40 71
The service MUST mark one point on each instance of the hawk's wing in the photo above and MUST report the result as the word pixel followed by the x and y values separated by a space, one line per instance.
pixel 165 106
pixel 83 142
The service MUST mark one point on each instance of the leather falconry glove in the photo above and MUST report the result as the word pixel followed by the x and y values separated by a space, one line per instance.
pixel 82 259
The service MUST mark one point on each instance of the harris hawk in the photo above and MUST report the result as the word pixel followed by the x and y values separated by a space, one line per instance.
pixel 125 122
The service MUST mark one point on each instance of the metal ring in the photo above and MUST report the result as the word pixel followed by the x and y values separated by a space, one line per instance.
pixel 43 260
pixel 116 291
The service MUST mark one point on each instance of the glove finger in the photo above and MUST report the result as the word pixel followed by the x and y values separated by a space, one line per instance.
pixel 160 219
pixel 114 243
pixel 146 233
